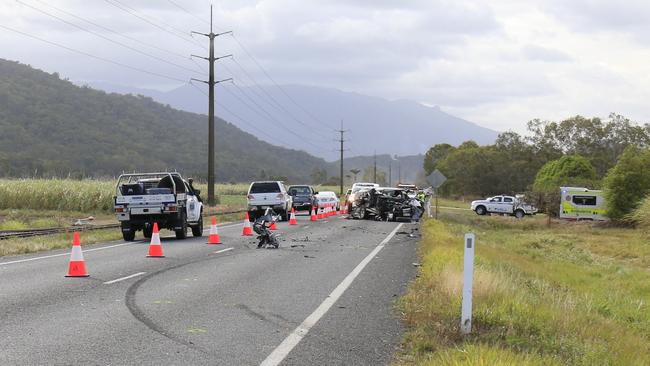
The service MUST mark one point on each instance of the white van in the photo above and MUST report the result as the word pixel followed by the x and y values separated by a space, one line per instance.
pixel 582 204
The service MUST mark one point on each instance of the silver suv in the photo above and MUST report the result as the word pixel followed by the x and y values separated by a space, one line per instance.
pixel 273 194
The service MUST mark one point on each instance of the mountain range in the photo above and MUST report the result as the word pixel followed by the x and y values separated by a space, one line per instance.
pixel 306 117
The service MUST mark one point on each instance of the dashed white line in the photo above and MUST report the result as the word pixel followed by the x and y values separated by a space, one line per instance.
pixel 124 278
pixel 223 250
pixel 279 354
pixel 90 250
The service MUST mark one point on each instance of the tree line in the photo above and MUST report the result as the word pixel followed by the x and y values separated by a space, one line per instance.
pixel 611 154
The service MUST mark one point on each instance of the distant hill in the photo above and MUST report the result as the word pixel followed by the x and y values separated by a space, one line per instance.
pixel 376 125
pixel 51 127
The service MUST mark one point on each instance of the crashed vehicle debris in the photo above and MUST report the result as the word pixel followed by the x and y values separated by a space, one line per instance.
pixel 387 204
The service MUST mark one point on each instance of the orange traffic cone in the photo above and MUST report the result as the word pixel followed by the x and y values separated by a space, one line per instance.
pixel 214 238
pixel 313 215
pixel 273 226
pixel 155 248
pixel 247 231
pixel 292 219
pixel 77 266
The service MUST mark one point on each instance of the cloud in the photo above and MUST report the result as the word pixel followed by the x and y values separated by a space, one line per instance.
pixel 538 53
pixel 499 63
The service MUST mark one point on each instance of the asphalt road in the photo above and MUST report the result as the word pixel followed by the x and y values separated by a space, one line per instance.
pixel 326 297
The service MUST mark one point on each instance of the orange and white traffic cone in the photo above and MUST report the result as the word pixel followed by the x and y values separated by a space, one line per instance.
pixel 313 215
pixel 292 219
pixel 214 238
pixel 155 248
pixel 247 230
pixel 77 266
pixel 273 226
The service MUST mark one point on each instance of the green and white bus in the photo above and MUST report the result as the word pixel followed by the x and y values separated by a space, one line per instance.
pixel 582 204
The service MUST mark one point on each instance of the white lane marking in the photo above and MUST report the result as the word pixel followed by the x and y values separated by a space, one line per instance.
pixel 124 278
pixel 63 254
pixel 223 250
pixel 279 354
pixel 88 250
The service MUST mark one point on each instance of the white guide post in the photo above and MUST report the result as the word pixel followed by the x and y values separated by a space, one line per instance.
pixel 468 279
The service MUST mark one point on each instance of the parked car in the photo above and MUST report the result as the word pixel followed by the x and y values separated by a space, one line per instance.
pixel 164 198
pixel 509 205
pixel 304 197
pixel 328 199
pixel 273 194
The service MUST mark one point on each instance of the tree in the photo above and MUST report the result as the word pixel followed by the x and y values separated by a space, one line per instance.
pixel 569 170
pixel 434 155
pixel 627 183
pixel 600 141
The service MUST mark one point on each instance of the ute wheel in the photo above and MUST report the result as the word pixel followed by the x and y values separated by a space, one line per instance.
pixel 480 210
pixel 284 216
pixel 147 231
pixel 128 235
pixel 198 229
pixel 182 233
pixel 519 214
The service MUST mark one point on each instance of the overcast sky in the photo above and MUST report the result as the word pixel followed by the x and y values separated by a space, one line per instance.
pixel 497 63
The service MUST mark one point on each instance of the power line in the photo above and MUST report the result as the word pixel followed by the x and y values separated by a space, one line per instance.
pixel 116 32
pixel 275 83
pixel 134 12
pixel 106 38
pixel 93 56
pixel 256 129
pixel 188 12
pixel 241 45
pixel 275 102
pixel 282 125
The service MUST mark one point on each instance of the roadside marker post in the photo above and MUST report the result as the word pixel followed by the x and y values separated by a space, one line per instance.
pixel 468 279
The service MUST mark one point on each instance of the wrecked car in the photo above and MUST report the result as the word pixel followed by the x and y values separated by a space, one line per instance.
pixel 387 204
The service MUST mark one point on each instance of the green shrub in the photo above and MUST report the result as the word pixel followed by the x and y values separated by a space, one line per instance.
pixel 627 183
pixel 569 170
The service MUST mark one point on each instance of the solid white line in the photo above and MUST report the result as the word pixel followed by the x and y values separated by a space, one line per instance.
pixel 62 254
pixel 124 278
pixel 279 354
pixel 223 250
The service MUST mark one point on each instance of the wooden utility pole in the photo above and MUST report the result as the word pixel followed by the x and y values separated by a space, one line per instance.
pixel 211 83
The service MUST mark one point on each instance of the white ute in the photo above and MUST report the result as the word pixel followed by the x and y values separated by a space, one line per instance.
pixel 143 199
pixel 507 205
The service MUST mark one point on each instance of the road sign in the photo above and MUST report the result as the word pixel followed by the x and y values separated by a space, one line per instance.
pixel 436 179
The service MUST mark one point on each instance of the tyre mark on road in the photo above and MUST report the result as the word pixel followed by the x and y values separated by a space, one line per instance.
pixel 142 317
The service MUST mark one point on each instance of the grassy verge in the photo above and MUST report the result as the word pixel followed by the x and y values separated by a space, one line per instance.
pixel 58 241
pixel 571 294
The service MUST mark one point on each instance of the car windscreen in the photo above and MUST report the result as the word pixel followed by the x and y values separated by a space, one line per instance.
pixel 299 191
pixel 270 187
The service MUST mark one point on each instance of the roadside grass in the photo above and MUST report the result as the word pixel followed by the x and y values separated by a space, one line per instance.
pixel 574 293
pixel 58 241
pixel 446 202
